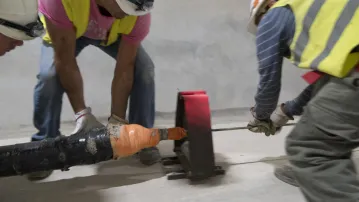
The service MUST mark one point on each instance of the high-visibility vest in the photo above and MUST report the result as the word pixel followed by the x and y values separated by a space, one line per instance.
pixel 78 11
pixel 326 32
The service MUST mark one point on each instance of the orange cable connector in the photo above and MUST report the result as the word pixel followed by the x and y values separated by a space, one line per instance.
pixel 129 139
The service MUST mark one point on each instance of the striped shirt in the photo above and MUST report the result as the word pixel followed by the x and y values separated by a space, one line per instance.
pixel 274 35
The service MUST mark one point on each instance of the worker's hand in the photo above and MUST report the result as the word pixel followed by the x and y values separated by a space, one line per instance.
pixel 117 120
pixel 261 126
pixel 279 118
pixel 86 121
pixel 114 123
pixel 265 127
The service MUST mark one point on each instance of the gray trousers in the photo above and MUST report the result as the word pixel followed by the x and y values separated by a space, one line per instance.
pixel 320 146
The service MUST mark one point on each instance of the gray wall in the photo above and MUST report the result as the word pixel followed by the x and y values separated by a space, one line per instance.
pixel 201 44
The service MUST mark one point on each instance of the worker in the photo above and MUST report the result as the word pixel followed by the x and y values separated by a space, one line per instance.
pixel 18 23
pixel 271 43
pixel 117 27
pixel 320 36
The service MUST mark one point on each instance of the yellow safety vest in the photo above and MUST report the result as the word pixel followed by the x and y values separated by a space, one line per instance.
pixel 326 32
pixel 78 11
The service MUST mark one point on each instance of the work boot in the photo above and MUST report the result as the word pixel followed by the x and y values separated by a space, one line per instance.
pixel 149 156
pixel 35 176
pixel 285 174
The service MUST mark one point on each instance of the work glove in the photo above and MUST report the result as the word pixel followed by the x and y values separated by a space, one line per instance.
pixel 86 121
pixel 117 120
pixel 114 123
pixel 261 126
pixel 279 118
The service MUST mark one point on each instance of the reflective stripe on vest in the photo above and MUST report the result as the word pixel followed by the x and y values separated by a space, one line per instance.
pixel 78 12
pixel 325 34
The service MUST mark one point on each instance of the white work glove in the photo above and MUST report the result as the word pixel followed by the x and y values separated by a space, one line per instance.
pixel 86 121
pixel 114 124
pixel 259 126
pixel 279 118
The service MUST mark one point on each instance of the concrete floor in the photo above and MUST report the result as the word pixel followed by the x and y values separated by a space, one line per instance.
pixel 248 159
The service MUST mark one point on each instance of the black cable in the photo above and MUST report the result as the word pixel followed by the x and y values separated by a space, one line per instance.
pixel 241 128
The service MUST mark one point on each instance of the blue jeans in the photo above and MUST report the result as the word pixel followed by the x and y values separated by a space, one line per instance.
pixel 49 92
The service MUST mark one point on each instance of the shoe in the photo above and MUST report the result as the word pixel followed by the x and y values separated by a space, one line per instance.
pixel 35 176
pixel 149 156
pixel 285 174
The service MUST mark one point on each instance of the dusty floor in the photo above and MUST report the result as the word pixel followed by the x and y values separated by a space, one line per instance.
pixel 247 158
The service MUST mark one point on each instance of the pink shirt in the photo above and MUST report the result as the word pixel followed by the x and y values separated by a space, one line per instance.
pixel 98 26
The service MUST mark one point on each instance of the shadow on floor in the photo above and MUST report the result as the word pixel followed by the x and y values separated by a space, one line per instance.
pixel 109 174
pixel 19 189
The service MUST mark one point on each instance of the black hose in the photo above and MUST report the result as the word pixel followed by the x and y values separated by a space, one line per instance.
pixel 55 153
pixel 64 152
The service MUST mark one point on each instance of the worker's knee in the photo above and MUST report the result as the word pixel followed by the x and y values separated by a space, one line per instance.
pixel 292 148
pixel 47 71
pixel 144 69
pixel 145 74
pixel 311 143
pixel 48 81
pixel 298 143
pixel 47 75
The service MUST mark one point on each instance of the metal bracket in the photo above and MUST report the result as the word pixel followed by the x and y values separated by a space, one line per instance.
pixel 194 155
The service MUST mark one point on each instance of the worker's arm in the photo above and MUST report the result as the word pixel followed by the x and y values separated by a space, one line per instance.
pixel 125 65
pixel 123 77
pixel 271 40
pixel 296 106
pixel 64 44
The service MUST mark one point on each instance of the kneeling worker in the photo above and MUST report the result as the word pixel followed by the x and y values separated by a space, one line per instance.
pixel 321 36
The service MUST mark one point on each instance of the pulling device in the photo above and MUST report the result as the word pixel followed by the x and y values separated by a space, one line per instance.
pixel 194 153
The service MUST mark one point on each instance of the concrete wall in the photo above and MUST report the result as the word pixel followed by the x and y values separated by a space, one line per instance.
pixel 201 44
